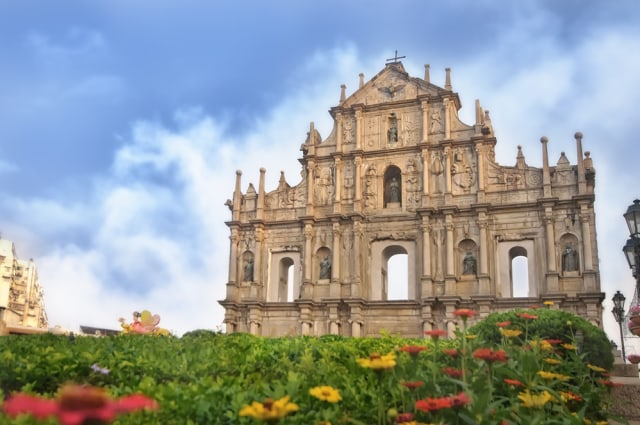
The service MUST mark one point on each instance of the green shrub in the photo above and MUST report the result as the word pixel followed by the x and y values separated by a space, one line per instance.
pixel 551 324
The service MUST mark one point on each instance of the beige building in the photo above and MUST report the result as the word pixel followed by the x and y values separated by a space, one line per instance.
pixel 22 308
pixel 401 174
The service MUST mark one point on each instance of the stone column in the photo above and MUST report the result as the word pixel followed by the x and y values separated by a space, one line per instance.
pixel 425 121
pixel 359 132
pixel 551 237
pixel 233 256
pixel 586 240
pixel 447 169
pixel 339 124
pixel 481 168
pixel 450 271
pixel 426 278
pixel 334 285
pixel 447 119
pixel 356 291
pixel 484 244
pixel 337 184
pixel 425 171
pixel 307 288
pixel 311 166
pixel 357 162
pixel 258 276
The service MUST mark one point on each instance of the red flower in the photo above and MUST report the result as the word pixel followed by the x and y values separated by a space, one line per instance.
pixel 526 316
pixel 489 355
pixel 434 404
pixel 553 341
pixel 460 400
pixel 76 404
pixel 534 307
pixel 412 385
pixel 452 372
pixel 435 333
pixel 404 417
pixel 450 352
pixel 413 350
pixel 513 382
pixel 503 324
pixel 465 313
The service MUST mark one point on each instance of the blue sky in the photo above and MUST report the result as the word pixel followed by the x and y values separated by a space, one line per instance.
pixel 123 122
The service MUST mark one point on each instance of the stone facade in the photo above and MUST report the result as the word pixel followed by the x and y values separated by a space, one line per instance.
pixel 22 308
pixel 400 173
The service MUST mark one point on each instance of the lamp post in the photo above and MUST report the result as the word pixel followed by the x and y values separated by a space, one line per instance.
pixel 632 247
pixel 618 313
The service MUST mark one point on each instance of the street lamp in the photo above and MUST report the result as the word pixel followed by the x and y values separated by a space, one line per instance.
pixel 618 313
pixel 632 247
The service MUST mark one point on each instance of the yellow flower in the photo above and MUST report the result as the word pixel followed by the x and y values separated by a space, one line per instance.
pixel 569 346
pixel 534 400
pixel 552 361
pixel 596 368
pixel 549 303
pixel 510 333
pixel 471 336
pixel 551 375
pixel 378 362
pixel 326 393
pixel 270 409
pixel 544 345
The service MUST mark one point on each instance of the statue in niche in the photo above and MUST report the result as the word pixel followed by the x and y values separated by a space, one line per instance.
pixel 324 185
pixel 392 133
pixel 347 130
pixel 569 258
pixel 435 126
pixel 325 268
pixel 469 266
pixel 248 270
pixel 394 190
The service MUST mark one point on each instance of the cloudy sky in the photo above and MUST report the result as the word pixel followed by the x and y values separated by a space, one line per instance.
pixel 123 122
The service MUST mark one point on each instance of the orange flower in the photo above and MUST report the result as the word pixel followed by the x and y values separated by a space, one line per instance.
pixel 434 404
pixel 460 400
pixel 452 372
pixel 413 350
pixel 526 316
pixel 513 382
pixel 436 333
pixel 465 313
pixel 450 352
pixel 412 385
pixel 503 324
pixel 76 404
pixel 490 356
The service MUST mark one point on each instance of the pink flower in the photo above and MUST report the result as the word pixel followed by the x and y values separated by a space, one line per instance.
pixel 76 404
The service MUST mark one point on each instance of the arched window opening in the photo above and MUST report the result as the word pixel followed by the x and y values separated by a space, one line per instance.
pixel 290 294
pixel 285 281
pixel 392 187
pixel 519 271
pixel 398 277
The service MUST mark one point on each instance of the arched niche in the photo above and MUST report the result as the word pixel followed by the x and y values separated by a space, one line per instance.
pixel 392 187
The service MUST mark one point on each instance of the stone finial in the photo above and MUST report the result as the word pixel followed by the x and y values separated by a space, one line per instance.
pixel 361 75
pixel 427 77
pixel 544 139
pixel 578 135
pixel 478 112
pixel 343 92
pixel 447 81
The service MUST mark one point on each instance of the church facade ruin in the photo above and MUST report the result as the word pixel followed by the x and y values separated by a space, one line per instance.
pixel 401 174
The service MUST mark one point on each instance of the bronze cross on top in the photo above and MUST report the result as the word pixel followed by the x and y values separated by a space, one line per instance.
pixel 395 58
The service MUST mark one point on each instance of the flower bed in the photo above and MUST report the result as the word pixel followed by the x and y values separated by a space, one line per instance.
pixel 207 378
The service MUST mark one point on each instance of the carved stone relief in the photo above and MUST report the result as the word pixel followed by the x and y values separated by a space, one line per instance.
pixel 373 131
pixel 411 128
pixel 435 121
pixel 463 168
pixel 413 186
pixel 437 171
pixel 349 181
pixel 370 187
pixel 324 185
pixel 348 127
